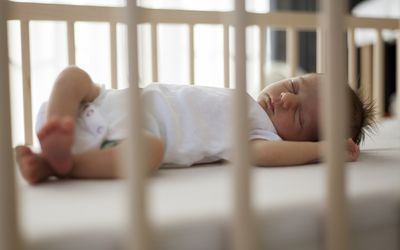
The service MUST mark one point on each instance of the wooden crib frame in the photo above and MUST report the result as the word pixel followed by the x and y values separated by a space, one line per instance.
pixel 328 36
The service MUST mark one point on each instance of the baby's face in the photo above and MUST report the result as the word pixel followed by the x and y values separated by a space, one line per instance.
pixel 292 106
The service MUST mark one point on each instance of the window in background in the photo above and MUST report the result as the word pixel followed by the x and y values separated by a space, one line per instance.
pixel 173 58
pixel 92 43
pixel 220 5
pixel 78 2
pixel 14 47
pixel 48 58
pixel 208 55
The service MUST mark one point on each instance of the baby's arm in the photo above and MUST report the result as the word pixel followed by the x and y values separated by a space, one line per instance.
pixel 283 153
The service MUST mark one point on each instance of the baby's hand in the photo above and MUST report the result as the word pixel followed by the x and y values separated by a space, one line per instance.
pixel 353 150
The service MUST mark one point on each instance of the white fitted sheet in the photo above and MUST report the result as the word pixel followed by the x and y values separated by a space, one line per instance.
pixel 190 208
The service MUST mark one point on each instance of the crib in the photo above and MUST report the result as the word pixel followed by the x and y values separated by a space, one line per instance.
pixel 328 205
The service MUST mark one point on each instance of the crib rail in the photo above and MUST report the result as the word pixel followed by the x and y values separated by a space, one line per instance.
pixel 242 227
pixel 293 23
pixel 283 19
pixel 398 74
pixel 334 126
pixel 137 233
pixel 8 215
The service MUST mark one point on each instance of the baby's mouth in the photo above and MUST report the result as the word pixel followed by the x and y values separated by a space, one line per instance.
pixel 270 104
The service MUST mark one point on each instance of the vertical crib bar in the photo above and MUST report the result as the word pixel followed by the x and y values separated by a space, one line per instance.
pixel 191 54
pixel 9 238
pixel 26 80
pixel 71 42
pixel 378 78
pixel 242 221
pixel 226 56
pixel 351 64
pixel 263 57
pixel 366 69
pixel 292 52
pixel 154 51
pixel 133 160
pixel 113 55
pixel 398 74
pixel 334 125
pixel 321 59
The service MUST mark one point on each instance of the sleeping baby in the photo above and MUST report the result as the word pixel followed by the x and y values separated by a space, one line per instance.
pixel 82 126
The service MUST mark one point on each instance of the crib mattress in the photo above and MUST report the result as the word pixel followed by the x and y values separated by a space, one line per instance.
pixel 190 208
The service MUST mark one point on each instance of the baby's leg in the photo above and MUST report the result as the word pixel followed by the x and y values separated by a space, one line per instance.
pixel 72 88
pixel 104 163
pixel 34 167
pixel 101 163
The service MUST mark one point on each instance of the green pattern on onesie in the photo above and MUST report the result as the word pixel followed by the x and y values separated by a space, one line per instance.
pixel 109 144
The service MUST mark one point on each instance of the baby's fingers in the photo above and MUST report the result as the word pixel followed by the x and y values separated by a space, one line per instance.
pixel 353 150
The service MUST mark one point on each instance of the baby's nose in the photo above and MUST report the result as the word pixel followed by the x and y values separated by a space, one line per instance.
pixel 288 100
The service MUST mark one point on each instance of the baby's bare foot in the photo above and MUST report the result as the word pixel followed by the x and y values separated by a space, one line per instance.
pixel 34 168
pixel 56 139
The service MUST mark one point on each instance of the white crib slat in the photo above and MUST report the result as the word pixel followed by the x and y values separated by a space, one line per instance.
pixel 26 81
pixel 292 51
pixel 351 59
pixel 9 238
pixel 366 72
pixel 226 56
pixel 154 52
pixel 378 77
pixel 191 54
pixel 321 59
pixel 113 55
pixel 133 156
pixel 334 125
pixel 398 75
pixel 263 57
pixel 242 221
pixel 71 42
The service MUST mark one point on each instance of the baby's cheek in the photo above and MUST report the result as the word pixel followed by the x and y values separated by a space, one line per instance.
pixel 284 130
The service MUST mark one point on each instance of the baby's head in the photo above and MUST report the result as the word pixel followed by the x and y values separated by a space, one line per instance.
pixel 292 105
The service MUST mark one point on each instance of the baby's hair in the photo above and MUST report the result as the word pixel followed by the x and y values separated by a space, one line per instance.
pixel 362 114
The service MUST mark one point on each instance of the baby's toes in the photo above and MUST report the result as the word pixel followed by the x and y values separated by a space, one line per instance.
pixel 22 150
pixel 68 124
pixel 22 153
pixel 29 170
pixel 48 128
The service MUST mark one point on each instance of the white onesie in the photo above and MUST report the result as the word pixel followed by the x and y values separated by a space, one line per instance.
pixel 194 122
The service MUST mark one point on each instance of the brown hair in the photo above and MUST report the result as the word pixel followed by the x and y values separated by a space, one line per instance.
pixel 361 114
